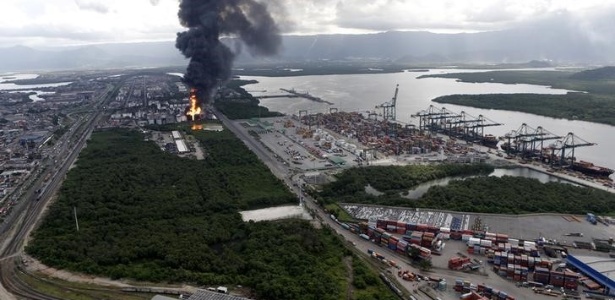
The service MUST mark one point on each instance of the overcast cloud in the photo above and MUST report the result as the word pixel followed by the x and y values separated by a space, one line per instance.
pixel 61 22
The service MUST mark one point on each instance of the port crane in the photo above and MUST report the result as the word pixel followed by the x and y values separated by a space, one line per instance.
pixel 568 143
pixel 427 118
pixel 526 137
pixel 481 123
pixel 388 108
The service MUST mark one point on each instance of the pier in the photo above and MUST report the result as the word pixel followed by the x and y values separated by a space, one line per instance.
pixel 305 95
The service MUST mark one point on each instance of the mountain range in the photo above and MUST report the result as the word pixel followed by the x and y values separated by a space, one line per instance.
pixel 563 45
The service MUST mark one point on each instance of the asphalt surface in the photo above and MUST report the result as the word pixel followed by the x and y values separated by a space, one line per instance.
pixel 487 277
pixel 27 214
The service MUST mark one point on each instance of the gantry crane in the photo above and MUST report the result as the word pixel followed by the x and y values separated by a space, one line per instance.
pixel 388 108
pixel 525 139
pixel 429 119
pixel 570 142
pixel 481 123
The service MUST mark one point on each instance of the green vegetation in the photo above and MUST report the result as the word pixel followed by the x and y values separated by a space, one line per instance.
pixel 596 74
pixel 513 195
pixel 574 106
pixel 517 195
pixel 76 291
pixel 148 215
pixel 328 68
pixel 598 84
pixel 392 180
pixel 241 104
pixel 367 284
pixel 339 213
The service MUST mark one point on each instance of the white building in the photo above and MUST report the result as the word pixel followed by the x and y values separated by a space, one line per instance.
pixel 181 146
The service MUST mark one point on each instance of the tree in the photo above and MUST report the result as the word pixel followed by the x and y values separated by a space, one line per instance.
pixel 425 265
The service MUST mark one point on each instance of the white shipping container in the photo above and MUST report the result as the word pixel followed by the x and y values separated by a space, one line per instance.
pixel 485 243
pixel 445 229
pixel 466 237
pixel 473 241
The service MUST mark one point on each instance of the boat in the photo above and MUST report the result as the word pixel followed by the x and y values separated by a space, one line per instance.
pixel 506 146
pixel 490 141
pixel 589 168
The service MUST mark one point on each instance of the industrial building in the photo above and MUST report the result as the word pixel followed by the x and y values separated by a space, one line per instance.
pixel 219 294
pixel 181 146
pixel 599 269
pixel 176 135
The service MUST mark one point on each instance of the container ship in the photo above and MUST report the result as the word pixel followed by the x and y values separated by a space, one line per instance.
pixel 591 169
pixel 490 141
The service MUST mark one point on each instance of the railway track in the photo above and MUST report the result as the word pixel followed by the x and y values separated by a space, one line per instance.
pixel 28 214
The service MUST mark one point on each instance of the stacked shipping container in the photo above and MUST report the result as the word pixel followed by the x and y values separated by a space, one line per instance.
pixel 479 292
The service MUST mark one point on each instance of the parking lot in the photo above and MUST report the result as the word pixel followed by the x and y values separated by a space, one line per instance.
pixel 287 139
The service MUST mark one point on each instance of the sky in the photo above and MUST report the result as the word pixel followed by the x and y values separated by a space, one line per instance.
pixel 41 23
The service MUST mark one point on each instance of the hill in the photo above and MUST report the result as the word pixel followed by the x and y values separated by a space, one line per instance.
pixel 561 42
pixel 604 73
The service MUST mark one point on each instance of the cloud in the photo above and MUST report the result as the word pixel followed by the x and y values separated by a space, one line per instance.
pixel 92 5
pixel 55 32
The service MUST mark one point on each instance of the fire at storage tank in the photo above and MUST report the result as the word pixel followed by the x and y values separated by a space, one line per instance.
pixel 193 111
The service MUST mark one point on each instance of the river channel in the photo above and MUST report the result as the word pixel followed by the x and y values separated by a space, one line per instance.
pixel 27 88
pixel 362 92
pixel 421 189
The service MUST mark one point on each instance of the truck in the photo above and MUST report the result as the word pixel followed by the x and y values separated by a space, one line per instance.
pixel 591 218
pixel 364 236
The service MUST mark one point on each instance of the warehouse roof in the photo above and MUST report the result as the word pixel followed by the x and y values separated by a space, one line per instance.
pixel 601 269
pixel 181 146
pixel 160 297
pixel 337 160
pixel 208 295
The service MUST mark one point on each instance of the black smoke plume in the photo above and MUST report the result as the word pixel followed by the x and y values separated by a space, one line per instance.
pixel 206 20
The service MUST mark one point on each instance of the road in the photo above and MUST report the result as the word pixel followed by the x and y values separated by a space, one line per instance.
pixel 279 170
pixel 28 212
pixel 284 173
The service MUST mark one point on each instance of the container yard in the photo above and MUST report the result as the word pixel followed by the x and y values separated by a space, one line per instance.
pixel 524 263
pixel 499 252
pixel 552 226
pixel 453 220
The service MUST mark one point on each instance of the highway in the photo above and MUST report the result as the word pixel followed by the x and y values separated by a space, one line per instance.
pixel 361 245
pixel 284 173
pixel 25 216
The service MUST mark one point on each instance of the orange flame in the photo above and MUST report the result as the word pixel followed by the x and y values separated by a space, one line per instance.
pixel 194 109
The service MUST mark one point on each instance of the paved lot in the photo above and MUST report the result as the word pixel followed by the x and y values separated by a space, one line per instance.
pixel 292 148
pixel 454 220
pixel 528 227
pixel 551 226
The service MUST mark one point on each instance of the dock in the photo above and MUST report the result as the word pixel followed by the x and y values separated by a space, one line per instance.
pixel 306 95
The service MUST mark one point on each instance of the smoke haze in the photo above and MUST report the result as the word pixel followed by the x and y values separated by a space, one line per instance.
pixel 206 20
